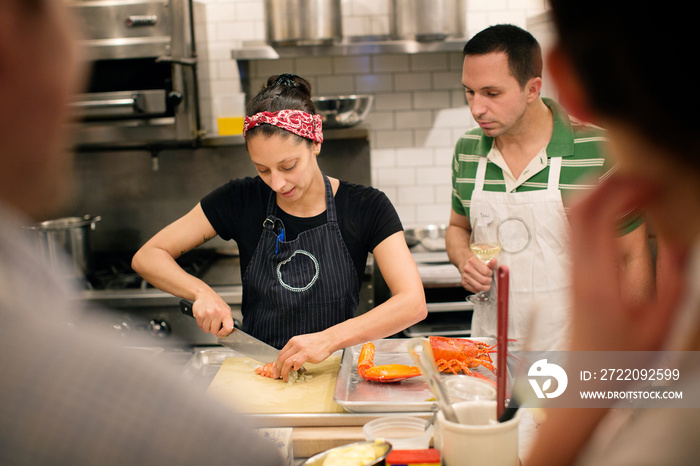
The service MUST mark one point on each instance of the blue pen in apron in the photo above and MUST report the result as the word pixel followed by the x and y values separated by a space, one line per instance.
pixel 280 237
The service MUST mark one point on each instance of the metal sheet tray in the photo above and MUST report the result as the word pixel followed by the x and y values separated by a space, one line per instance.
pixel 357 395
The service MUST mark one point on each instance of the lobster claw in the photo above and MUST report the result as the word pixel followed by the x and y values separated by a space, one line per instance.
pixel 385 373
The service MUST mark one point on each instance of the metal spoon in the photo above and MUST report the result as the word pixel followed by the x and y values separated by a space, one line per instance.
pixel 422 353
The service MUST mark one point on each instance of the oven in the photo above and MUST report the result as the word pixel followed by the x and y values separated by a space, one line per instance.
pixel 142 86
pixel 121 299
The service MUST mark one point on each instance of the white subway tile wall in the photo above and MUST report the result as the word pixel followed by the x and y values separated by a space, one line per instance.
pixel 419 110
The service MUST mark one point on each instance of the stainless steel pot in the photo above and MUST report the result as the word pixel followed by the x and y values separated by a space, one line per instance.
pixel 303 22
pixel 428 20
pixel 68 235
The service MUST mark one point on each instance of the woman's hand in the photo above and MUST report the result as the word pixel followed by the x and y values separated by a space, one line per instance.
pixel 213 314
pixel 311 347
pixel 156 262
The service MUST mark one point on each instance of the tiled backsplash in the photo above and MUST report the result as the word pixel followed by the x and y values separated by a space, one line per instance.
pixel 419 109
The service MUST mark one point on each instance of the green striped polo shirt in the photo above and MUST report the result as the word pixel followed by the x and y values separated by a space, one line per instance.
pixel 584 163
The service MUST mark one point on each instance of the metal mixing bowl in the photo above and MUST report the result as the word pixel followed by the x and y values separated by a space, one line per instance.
pixel 343 111
pixel 432 237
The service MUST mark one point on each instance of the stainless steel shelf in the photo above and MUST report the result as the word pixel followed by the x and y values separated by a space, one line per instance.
pixel 151 297
pixel 256 50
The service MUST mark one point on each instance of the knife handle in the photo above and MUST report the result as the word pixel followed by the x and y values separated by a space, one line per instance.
pixel 186 307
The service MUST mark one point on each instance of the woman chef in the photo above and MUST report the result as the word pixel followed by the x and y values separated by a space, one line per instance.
pixel 303 239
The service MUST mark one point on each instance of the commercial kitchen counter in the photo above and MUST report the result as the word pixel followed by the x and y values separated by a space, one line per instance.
pixel 312 433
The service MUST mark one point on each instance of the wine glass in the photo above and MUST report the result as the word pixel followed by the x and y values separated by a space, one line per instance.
pixel 485 245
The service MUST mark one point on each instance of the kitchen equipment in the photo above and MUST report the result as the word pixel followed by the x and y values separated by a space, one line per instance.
pixel 142 86
pixel 428 20
pixel 413 395
pixel 510 410
pixel 343 111
pixel 236 384
pixel 478 439
pixel 303 22
pixel 502 337
pixel 381 450
pixel 431 237
pixel 70 236
pixel 422 354
pixel 140 308
pixel 240 341
pixel 505 413
pixel 426 457
pixel 403 432
pixel 468 388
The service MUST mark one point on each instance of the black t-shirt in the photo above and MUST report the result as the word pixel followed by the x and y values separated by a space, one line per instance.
pixel 238 209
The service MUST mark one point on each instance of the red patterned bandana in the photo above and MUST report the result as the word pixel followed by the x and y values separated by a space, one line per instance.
pixel 300 123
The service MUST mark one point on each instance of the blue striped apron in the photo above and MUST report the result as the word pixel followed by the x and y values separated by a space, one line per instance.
pixel 300 286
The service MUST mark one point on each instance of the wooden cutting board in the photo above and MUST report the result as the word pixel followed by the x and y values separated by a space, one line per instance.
pixel 237 385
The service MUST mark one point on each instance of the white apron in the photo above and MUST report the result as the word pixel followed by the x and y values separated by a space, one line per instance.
pixel 534 232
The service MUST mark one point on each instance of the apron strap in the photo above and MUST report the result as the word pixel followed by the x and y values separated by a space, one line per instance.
pixel 554 173
pixel 480 174
pixel 331 213
pixel 271 204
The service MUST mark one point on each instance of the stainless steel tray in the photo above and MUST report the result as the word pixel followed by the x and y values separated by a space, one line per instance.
pixel 357 395
pixel 205 363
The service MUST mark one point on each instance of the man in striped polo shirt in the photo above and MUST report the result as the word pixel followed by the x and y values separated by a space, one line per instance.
pixel 518 171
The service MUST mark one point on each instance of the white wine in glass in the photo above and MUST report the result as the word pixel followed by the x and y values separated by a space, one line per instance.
pixel 486 246
pixel 485 251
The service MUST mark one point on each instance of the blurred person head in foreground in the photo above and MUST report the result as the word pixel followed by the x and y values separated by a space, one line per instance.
pixel 39 71
pixel 69 394
pixel 628 69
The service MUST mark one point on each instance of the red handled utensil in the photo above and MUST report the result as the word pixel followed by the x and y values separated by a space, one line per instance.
pixel 502 339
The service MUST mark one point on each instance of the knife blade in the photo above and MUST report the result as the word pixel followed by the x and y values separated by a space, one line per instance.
pixel 240 341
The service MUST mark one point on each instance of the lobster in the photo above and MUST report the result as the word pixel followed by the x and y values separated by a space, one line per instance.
pixel 384 373
pixel 460 354
pixel 451 355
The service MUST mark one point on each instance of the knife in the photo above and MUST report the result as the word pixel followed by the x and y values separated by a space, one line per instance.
pixel 240 341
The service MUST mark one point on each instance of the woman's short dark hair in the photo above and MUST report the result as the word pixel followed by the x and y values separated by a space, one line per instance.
pixel 281 92
pixel 522 49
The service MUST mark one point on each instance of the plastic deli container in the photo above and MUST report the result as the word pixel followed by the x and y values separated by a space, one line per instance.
pixel 468 388
pixel 403 432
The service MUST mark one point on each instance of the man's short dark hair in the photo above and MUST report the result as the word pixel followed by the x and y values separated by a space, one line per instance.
pixel 522 49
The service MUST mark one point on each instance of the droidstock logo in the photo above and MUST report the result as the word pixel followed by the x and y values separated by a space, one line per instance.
pixel 541 369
